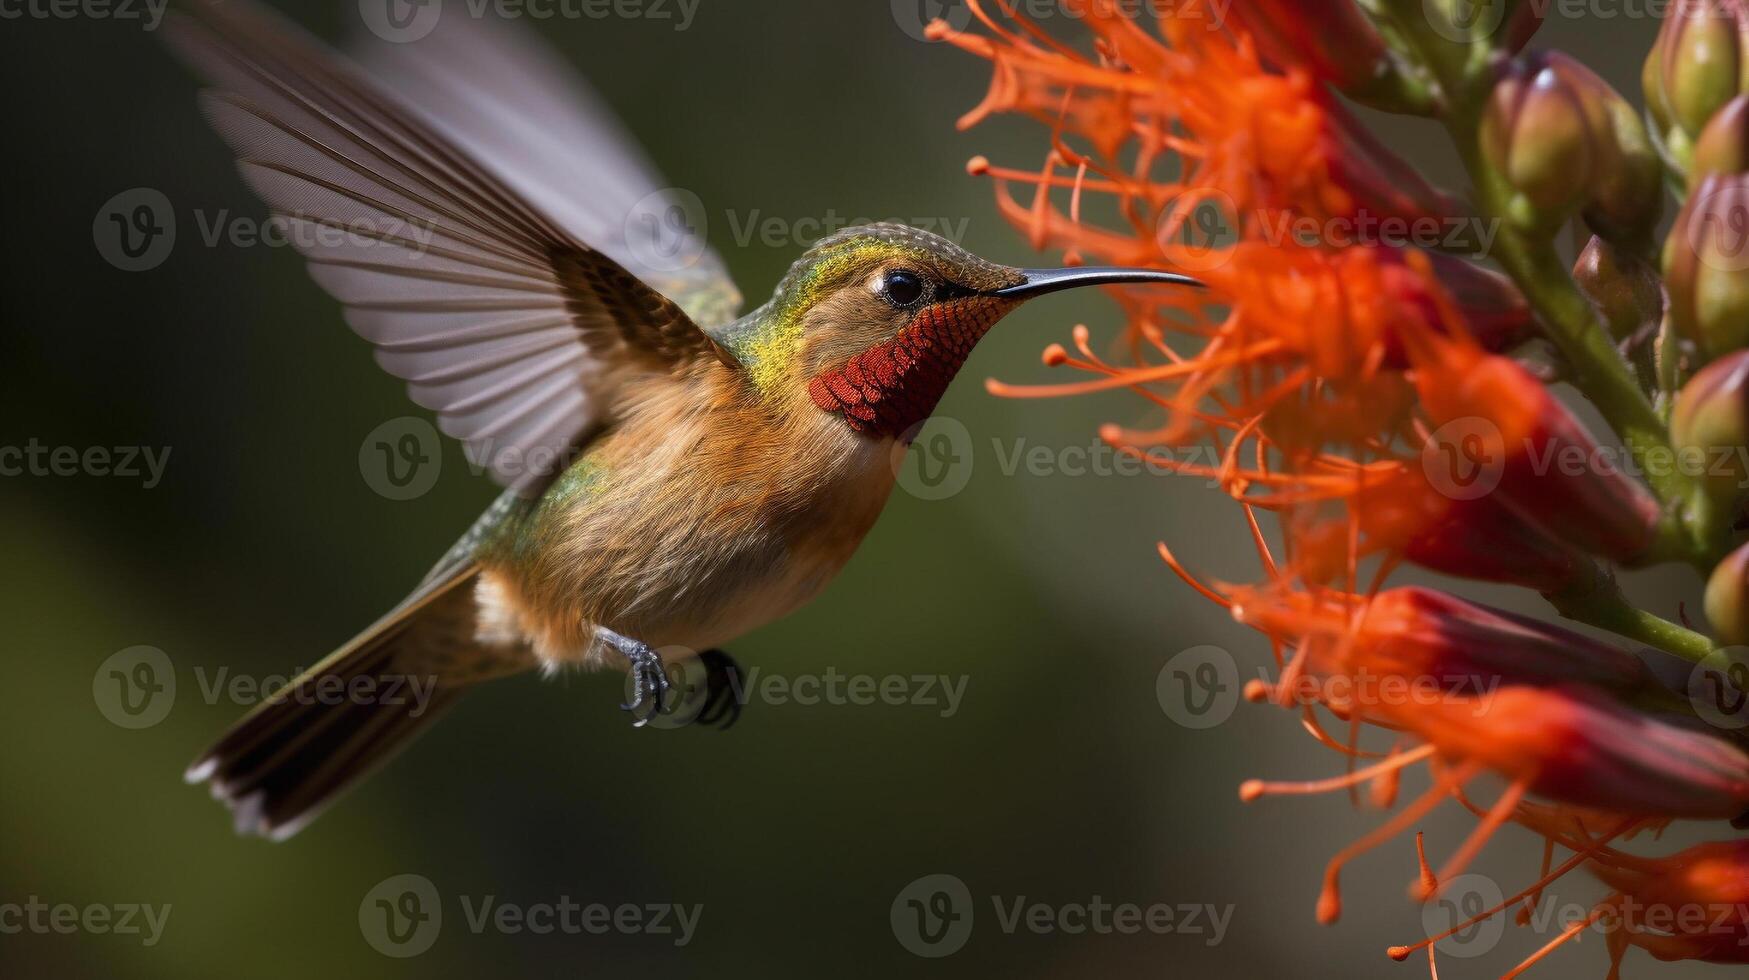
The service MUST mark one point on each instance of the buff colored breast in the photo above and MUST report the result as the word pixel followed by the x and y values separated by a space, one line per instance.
pixel 702 518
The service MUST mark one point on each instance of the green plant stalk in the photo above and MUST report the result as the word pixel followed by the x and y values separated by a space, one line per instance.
pixel 1598 601
pixel 1597 369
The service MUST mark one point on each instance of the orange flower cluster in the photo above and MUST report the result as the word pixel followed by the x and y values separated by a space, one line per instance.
pixel 1358 390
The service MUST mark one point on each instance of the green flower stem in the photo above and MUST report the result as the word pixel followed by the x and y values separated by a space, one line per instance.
pixel 1597 368
pixel 1597 600
pixel 1464 75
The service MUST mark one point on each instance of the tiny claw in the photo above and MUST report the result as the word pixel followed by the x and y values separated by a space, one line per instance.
pixel 649 685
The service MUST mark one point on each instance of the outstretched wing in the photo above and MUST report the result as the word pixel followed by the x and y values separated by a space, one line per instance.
pixel 484 264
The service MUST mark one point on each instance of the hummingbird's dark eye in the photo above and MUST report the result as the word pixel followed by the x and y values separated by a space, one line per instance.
pixel 902 288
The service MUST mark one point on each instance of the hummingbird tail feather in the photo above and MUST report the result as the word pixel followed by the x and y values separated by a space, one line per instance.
pixel 280 765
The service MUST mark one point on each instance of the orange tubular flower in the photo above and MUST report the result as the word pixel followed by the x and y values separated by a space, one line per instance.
pixel 1263 142
pixel 1568 744
pixel 1692 905
pixel 1422 635
pixel 1549 468
pixel 1405 517
pixel 1330 39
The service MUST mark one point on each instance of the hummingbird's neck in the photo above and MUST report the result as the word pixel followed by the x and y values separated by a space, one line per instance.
pixel 888 390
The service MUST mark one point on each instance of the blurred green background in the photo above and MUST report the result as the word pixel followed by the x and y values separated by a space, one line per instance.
pixel 1059 778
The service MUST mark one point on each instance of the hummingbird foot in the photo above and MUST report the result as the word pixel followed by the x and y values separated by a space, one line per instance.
pixel 650 684
pixel 723 685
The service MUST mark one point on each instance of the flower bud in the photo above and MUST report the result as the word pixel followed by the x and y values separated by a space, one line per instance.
pixel 1723 147
pixel 1494 312
pixel 1408 517
pixel 1574 745
pixel 1626 291
pixel 1562 138
pixel 1544 130
pixel 1569 744
pixel 1331 40
pixel 1711 422
pixel 1418 635
pixel 1697 65
pixel 1706 265
pixel 1727 598
pixel 1376 179
pixel 1501 431
pixel 1627 196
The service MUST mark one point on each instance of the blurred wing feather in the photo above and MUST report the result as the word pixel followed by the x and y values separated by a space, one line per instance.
pixel 477 289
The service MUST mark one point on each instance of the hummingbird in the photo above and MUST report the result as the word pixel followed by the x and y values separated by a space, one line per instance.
pixel 675 473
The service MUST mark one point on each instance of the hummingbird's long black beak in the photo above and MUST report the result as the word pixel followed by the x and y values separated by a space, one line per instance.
pixel 1041 281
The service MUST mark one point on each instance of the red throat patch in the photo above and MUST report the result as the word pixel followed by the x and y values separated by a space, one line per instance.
pixel 891 387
